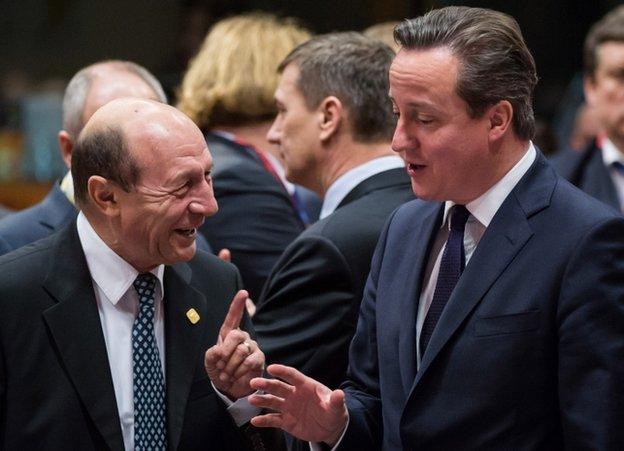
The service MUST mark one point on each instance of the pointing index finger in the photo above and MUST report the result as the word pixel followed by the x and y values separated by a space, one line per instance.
pixel 235 314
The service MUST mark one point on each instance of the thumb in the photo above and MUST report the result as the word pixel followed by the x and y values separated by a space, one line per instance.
pixel 337 401
pixel 225 255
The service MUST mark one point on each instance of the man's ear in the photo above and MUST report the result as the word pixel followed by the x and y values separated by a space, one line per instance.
pixel 103 195
pixel 66 145
pixel 500 117
pixel 330 114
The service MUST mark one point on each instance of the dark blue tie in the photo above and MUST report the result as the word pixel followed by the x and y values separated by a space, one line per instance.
pixel 149 385
pixel 618 167
pixel 451 267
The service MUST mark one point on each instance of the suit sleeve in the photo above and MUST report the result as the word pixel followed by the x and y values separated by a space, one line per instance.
pixel 590 318
pixel 306 315
pixel 363 397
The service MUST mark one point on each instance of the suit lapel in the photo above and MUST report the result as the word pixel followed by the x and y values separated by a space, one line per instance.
pixel 75 328
pixel 506 235
pixel 598 182
pixel 416 256
pixel 385 179
pixel 183 341
pixel 58 211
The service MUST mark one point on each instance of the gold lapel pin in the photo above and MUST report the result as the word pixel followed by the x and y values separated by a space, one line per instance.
pixel 192 316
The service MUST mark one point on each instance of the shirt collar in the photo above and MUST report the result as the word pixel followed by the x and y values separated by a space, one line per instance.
pixel 610 153
pixel 350 179
pixel 67 187
pixel 484 207
pixel 108 270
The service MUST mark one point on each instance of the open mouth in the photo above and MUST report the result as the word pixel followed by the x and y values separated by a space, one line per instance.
pixel 415 167
pixel 187 232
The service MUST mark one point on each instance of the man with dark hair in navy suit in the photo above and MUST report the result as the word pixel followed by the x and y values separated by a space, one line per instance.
pixel 493 315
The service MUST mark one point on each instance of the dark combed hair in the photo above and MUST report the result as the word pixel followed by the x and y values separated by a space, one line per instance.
pixel 495 63
pixel 105 153
pixel 354 69
pixel 609 28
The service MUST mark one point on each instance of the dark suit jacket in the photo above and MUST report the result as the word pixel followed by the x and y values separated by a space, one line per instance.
pixel 528 353
pixel 587 171
pixel 56 389
pixel 308 309
pixel 256 218
pixel 53 213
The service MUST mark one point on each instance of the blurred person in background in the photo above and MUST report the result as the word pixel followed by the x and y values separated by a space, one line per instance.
pixel 228 92
pixel 599 168
pixel 383 32
pixel 91 88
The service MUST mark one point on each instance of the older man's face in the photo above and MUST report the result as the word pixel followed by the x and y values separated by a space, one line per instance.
pixel 605 90
pixel 446 151
pixel 159 217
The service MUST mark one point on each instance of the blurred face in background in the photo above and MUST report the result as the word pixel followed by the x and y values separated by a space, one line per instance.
pixel 605 90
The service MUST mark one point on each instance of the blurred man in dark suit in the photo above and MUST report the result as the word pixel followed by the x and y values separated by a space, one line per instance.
pixel 333 127
pixel 493 316
pixel 105 324
pixel 599 168
pixel 87 91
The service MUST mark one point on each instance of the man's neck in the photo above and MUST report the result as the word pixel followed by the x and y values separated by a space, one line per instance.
pixel 342 159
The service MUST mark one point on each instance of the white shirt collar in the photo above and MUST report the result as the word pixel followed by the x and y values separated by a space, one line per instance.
pixel 484 207
pixel 350 179
pixel 610 153
pixel 108 270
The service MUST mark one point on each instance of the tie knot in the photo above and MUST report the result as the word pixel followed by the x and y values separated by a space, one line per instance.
pixel 459 216
pixel 144 285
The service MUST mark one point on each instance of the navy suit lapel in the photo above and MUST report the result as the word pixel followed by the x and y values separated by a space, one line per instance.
pixel 75 328
pixel 58 211
pixel 506 235
pixel 416 257
pixel 598 182
pixel 183 342
pixel 381 180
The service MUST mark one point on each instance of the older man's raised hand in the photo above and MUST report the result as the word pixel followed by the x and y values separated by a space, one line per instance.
pixel 301 406
pixel 236 358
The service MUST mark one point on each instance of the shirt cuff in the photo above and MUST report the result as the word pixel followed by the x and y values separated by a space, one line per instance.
pixel 318 447
pixel 240 410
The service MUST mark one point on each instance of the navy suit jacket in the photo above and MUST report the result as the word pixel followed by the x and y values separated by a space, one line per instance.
pixel 587 171
pixel 307 313
pixel 53 213
pixel 56 388
pixel 528 353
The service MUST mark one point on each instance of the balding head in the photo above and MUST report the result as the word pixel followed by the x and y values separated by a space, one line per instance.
pixel 141 174
pixel 96 85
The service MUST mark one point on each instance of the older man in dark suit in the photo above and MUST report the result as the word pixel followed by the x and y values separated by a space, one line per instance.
pixel 105 323
pixel 333 127
pixel 88 90
pixel 493 316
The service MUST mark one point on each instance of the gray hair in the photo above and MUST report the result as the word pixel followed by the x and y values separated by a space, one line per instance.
pixel 78 89
pixel 495 63
pixel 353 68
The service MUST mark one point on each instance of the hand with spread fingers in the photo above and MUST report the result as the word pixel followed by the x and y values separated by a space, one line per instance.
pixel 236 358
pixel 301 406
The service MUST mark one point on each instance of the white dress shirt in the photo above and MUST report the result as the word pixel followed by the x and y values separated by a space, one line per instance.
pixel 610 155
pixel 353 177
pixel 482 210
pixel 117 303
